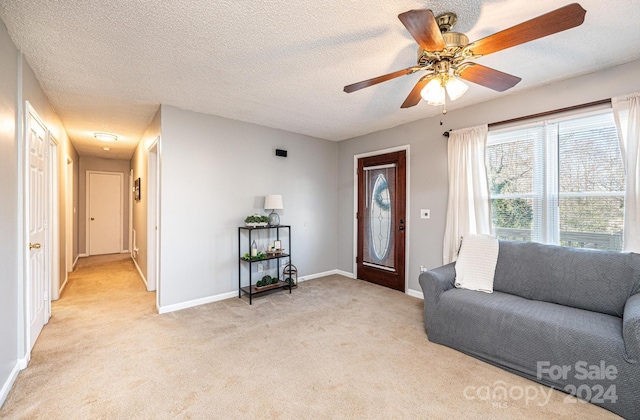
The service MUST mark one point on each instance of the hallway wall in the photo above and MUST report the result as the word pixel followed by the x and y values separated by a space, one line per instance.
pixel 18 84
pixel 32 92
pixel 9 249
pixel 139 164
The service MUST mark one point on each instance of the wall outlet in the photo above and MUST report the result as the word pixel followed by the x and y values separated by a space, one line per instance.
pixel 260 268
pixel 423 268
pixel 425 214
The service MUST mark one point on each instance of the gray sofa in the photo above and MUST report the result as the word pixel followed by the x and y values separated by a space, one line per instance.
pixel 551 307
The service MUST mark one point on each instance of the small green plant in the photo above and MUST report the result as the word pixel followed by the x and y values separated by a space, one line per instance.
pixel 259 256
pixel 266 280
pixel 289 282
pixel 256 218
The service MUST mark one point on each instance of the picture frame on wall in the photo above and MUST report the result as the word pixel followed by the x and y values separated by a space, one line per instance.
pixel 136 189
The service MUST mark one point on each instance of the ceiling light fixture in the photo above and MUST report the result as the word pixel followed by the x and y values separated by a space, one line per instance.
pixel 105 136
pixel 444 79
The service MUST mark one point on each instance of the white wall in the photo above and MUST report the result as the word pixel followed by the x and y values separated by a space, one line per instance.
pixel 429 183
pixel 9 252
pixel 217 171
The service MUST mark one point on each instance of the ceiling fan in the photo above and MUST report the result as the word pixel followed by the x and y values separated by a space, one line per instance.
pixel 444 54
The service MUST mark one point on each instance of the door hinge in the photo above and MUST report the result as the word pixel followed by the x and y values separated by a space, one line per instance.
pixel 357 259
pixel 356 215
pixel 46 296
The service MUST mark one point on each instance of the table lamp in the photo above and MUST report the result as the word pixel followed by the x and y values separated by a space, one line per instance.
pixel 273 203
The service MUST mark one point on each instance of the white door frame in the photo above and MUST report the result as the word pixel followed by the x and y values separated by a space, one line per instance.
pixel 26 286
pixel 69 217
pixel 152 215
pixel 53 172
pixel 87 207
pixel 408 208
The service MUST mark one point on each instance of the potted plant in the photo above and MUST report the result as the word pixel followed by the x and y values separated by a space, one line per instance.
pixel 256 220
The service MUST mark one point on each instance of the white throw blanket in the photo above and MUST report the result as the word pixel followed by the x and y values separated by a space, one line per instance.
pixel 476 263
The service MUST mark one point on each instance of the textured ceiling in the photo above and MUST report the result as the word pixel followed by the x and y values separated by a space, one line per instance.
pixel 106 66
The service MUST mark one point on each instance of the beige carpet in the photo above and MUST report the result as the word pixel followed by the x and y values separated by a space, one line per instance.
pixel 335 348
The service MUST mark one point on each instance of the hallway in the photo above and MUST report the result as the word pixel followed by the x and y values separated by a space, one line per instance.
pixel 100 310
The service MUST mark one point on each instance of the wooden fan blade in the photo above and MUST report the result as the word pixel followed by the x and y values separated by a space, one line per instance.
pixel 422 25
pixel 559 20
pixel 488 77
pixel 379 79
pixel 414 97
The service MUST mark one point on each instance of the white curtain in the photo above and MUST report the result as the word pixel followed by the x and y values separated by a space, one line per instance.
pixel 468 210
pixel 626 110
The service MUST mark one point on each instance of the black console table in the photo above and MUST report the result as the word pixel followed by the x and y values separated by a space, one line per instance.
pixel 251 289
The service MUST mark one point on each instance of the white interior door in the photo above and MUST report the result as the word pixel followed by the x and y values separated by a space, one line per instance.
pixel 37 275
pixel 104 212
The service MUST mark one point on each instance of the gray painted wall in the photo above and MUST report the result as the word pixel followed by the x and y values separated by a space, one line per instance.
pixel 108 165
pixel 217 171
pixel 428 156
pixel 9 252
pixel 139 164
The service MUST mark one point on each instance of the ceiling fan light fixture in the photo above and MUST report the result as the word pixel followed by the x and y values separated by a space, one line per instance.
pixel 455 88
pixel 433 92
pixel 105 136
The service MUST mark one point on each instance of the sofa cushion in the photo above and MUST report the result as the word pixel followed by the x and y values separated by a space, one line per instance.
pixel 599 281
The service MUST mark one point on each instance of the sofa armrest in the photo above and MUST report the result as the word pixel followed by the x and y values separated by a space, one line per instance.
pixel 437 281
pixel 434 283
pixel 631 328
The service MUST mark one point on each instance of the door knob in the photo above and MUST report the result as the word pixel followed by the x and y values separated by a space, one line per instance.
pixel 32 246
pixel 93 218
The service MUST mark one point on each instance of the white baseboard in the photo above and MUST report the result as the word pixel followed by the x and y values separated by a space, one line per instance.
pixel 196 302
pixel 66 280
pixel 6 386
pixel 75 262
pixel 415 294
pixel 326 273
pixel 82 256
pixel 345 273
pixel 144 280
pixel 125 251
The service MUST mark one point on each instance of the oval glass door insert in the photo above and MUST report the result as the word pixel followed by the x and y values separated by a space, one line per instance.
pixel 380 218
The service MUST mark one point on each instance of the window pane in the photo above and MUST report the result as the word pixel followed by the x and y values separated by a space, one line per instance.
pixel 512 218
pixel 590 158
pixel 510 167
pixel 592 222
pixel 591 183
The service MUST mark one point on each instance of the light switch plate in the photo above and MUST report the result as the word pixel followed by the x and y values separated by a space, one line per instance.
pixel 425 214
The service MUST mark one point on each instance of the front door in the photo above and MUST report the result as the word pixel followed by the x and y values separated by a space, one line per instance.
pixel 105 213
pixel 382 219
pixel 37 277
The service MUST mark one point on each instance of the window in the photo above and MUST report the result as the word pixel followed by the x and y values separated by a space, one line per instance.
pixel 558 181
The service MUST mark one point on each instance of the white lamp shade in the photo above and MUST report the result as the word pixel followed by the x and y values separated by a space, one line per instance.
pixel 273 202
pixel 456 88
pixel 433 92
